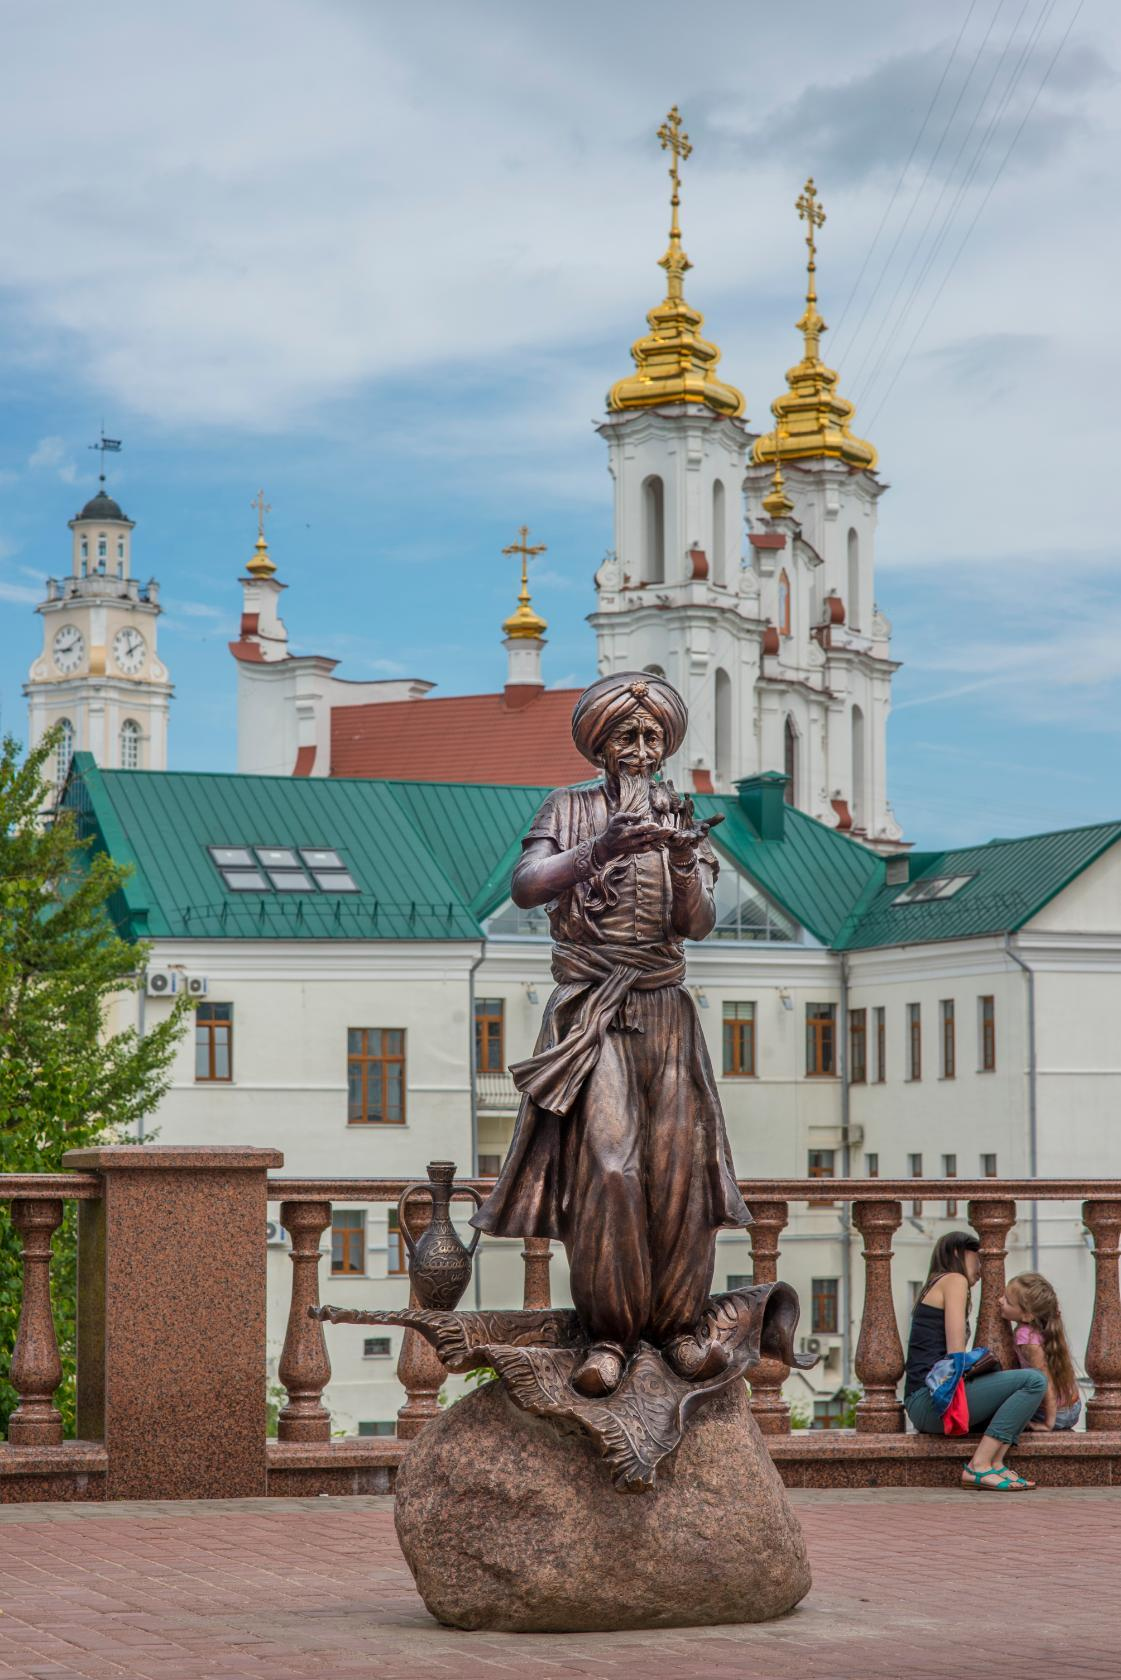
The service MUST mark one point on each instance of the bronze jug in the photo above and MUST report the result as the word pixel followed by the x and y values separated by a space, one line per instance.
pixel 439 1264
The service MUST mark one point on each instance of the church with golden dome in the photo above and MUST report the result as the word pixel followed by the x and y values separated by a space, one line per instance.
pixel 742 567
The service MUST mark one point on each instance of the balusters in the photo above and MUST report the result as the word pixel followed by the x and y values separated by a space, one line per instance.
pixel 1103 1350
pixel 879 1352
pixel 36 1369
pixel 305 1368
pixel 768 1407
pixel 420 1370
pixel 537 1255
pixel 992 1221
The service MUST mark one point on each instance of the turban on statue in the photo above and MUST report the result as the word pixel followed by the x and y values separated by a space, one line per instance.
pixel 611 699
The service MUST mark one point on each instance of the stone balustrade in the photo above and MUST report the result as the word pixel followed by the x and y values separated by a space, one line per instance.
pixel 172 1262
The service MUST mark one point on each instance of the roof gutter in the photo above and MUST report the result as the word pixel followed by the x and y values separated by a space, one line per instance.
pixel 477 1267
pixel 846 1172
pixel 1033 1119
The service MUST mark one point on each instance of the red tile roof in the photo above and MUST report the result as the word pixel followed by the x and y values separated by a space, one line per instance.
pixel 462 738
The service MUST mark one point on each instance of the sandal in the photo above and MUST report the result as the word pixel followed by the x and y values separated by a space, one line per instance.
pixel 1019 1483
pixel 1003 1485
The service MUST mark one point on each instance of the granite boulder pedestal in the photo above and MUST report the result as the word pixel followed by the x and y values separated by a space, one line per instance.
pixel 511 1524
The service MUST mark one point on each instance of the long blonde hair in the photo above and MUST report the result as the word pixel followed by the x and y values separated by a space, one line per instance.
pixel 1041 1309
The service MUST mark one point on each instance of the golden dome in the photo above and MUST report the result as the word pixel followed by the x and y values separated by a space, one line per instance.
pixel 812 419
pixel 523 623
pixel 261 565
pixel 673 363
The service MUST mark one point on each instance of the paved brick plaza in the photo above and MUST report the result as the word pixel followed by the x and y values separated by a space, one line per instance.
pixel 295 1588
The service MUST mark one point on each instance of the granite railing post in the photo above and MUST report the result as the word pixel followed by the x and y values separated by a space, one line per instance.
pixel 879 1352
pixel 36 1369
pixel 768 1407
pixel 305 1367
pixel 171 1318
pixel 420 1371
pixel 1103 1350
pixel 537 1255
pixel 992 1221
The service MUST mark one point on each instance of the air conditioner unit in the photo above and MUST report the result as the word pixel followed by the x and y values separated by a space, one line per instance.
pixel 161 982
pixel 196 985
pixel 811 1344
pixel 275 1234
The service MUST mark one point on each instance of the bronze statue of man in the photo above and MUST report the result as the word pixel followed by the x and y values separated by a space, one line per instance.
pixel 620 1149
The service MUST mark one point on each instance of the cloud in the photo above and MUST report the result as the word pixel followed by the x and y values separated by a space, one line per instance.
pixel 51 454
pixel 200 609
pixel 20 593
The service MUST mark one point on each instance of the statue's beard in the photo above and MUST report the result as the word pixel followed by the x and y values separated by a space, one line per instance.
pixel 634 792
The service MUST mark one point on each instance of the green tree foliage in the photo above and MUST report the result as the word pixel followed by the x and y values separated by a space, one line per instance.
pixel 66 1080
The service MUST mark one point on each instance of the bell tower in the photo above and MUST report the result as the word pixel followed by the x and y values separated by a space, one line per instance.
pixel 98 673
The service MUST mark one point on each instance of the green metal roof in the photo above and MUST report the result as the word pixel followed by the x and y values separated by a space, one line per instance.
pixel 434 859
pixel 1011 882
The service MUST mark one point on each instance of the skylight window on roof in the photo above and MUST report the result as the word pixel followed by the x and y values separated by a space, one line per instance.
pixel 232 857
pixel 335 880
pixel 245 880
pixel 937 887
pixel 320 858
pixel 290 880
pixel 277 857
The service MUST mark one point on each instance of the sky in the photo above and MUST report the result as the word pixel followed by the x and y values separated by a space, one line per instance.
pixel 384 262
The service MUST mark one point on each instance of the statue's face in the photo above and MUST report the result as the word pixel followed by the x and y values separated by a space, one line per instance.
pixel 635 746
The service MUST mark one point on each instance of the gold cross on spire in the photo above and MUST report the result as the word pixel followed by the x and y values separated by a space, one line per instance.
pixel 677 143
pixel 262 507
pixel 812 213
pixel 525 622
pixel 675 140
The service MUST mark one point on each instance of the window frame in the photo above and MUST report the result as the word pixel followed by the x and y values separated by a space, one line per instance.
pixel 947 1038
pixel 350 1231
pixel 950 1170
pixel 490 1018
pixel 382 1060
pixel 821 1171
pixel 986 1032
pixel 914 1044
pixel 738 1041
pixel 914 1168
pixel 858 1046
pixel 396 1254
pixel 825 1323
pixel 209 1021
pixel 879 1023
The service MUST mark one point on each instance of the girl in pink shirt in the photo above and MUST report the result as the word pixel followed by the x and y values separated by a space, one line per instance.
pixel 1031 1304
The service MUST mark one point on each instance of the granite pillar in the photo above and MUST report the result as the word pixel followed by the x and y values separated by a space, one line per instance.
pixel 1103 1350
pixel 171 1318
pixel 770 1411
pixel 992 1221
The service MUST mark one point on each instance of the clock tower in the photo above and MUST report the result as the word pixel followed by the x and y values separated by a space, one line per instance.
pixel 98 674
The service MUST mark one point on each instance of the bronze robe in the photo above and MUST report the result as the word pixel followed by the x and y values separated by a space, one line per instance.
pixel 620 1149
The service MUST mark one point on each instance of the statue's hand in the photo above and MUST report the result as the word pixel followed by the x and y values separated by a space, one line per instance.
pixel 629 832
pixel 683 843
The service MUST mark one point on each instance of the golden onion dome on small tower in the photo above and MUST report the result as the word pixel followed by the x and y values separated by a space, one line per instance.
pixel 811 418
pixel 673 363
pixel 262 565
pixel 523 623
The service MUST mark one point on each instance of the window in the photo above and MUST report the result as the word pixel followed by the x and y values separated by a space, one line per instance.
pixel 654 531
pixel 744 912
pixel 853 612
pixel 949 1052
pixel 872 1166
pixel 821 1039
pixel 914 1163
pixel 987 1018
pixel 348 1242
pixel 950 1170
pixel 397 1261
pixel 120 548
pixel 85 548
pixel 822 1164
pixel 914 1041
pixel 934 887
pixel 858 1047
pixel 214 1043
pixel 130 745
pixel 739 1280
pixel 823 1306
pixel 722 715
pixel 719 569
pixel 376 1347
pixel 102 553
pixel 490 1051
pixel 988 1166
pixel 739 1040
pixel 790 762
pixel 375 1068
pixel 490 1166
pixel 879 1027
pixel 379 1426
pixel 282 869
pixel 783 604
pixel 64 752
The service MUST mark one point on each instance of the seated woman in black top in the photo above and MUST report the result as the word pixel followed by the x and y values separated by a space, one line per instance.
pixel 1002 1402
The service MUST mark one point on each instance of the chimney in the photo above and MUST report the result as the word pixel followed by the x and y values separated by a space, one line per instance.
pixel 763 801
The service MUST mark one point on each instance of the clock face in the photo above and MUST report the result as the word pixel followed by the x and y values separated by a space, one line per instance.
pixel 129 651
pixel 69 648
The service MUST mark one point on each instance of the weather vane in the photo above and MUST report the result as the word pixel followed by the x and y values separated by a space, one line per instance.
pixel 105 446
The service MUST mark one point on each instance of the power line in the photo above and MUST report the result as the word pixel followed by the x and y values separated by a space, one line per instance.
pixel 888 332
pixel 903 172
pixel 980 209
pixel 922 185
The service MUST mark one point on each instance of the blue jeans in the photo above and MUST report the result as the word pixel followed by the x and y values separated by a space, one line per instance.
pixel 1000 1405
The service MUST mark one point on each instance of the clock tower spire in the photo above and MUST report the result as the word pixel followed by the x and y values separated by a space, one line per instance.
pixel 98 674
